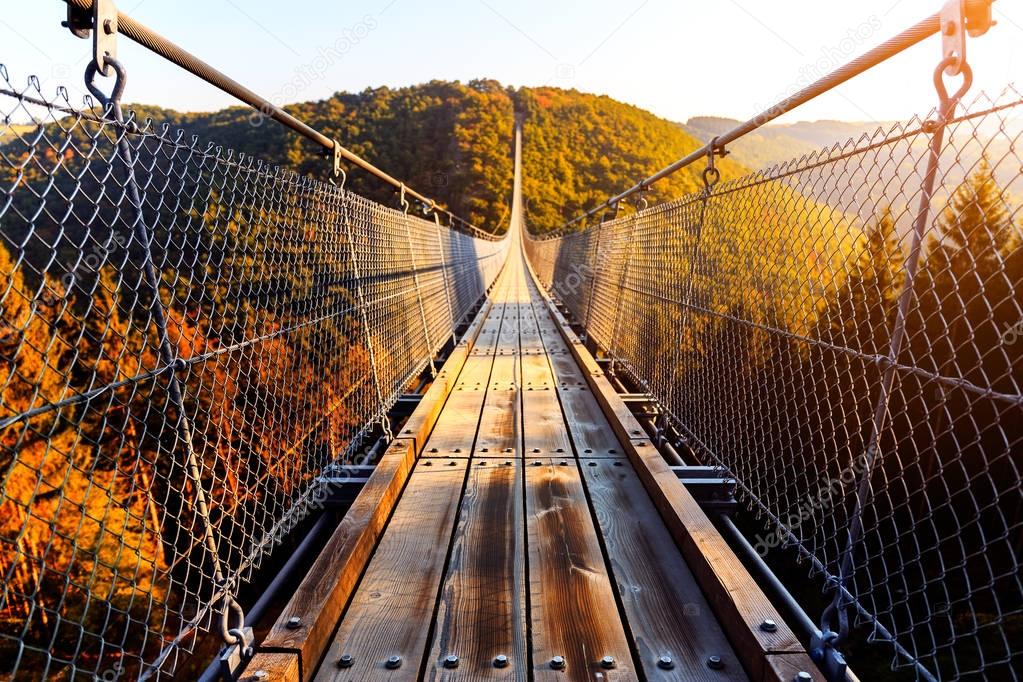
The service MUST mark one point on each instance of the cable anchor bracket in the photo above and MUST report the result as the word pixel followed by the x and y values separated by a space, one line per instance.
pixel 101 22
pixel 960 19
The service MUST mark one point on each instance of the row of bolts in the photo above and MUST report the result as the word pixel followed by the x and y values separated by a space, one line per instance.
pixel 556 663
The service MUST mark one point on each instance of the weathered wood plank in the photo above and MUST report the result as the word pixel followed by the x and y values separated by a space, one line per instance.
pixel 277 667
pixel 785 667
pixel 572 603
pixel 482 612
pixel 391 613
pixel 544 432
pixel 452 434
pixel 667 612
pixel 499 428
pixel 327 586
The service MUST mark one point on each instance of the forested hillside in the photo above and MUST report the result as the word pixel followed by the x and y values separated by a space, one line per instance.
pixel 579 149
pixel 453 141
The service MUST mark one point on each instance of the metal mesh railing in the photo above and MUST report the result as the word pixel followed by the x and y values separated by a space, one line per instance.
pixel 885 445
pixel 176 368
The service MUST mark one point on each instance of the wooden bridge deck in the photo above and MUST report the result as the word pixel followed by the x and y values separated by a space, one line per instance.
pixel 521 527
pixel 534 521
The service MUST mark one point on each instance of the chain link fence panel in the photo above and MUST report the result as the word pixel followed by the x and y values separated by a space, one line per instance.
pixel 177 369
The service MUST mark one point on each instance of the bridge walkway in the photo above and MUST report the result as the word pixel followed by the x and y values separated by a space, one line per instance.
pixel 522 527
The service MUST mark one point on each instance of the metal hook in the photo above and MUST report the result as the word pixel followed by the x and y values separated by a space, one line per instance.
pixel 121 78
pixel 404 202
pixel 947 104
pixel 711 174
pixel 233 635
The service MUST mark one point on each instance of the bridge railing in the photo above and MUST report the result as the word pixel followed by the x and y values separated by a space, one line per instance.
pixel 188 338
pixel 844 333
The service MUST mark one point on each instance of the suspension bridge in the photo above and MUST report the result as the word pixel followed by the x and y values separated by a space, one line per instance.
pixel 251 415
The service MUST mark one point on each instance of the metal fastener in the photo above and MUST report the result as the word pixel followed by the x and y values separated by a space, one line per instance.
pixel 803 676
pixel 393 663
pixel 451 661
pixel 500 661
pixel 261 675
pixel 558 663
pixel 294 623
pixel 345 661
pixel 592 464
pixel 715 663
pixel 427 463
pixel 665 663
pixel 607 662
pixel 769 625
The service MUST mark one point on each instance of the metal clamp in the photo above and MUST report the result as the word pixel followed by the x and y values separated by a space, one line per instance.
pixel 829 659
pixel 101 21
pixel 957 21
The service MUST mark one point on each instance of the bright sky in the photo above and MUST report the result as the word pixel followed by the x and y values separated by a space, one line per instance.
pixel 676 58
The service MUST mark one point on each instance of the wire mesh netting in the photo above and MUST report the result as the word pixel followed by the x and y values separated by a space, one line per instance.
pixel 761 313
pixel 176 370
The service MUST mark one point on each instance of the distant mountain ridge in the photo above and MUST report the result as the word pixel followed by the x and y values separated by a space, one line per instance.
pixel 779 142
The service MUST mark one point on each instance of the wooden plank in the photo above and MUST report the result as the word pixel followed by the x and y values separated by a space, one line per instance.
pixel 590 431
pixel 452 434
pixel 572 603
pixel 498 433
pixel 482 611
pixel 667 612
pixel 391 613
pixel 275 667
pixel 325 590
pixel 469 337
pixel 786 666
pixel 544 432
pixel 420 423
